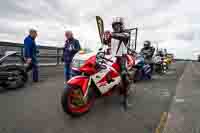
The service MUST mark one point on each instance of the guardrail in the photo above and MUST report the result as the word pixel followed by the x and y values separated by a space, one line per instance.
pixel 46 54
pixel 186 60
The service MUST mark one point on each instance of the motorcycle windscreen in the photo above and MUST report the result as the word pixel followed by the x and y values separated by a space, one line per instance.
pixel 76 64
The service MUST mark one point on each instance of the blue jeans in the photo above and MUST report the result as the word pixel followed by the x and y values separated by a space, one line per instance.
pixel 35 72
pixel 67 71
pixel 34 68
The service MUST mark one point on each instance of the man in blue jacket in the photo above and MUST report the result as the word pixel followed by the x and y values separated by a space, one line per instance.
pixel 30 53
pixel 71 47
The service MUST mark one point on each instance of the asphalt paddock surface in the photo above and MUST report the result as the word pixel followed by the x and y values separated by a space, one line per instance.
pixel 183 116
pixel 37 109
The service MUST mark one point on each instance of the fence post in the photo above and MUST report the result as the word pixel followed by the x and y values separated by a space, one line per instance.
pixel 22 51
pixel 58 56
pixel 136 38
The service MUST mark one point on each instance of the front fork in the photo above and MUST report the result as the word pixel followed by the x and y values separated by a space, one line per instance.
pixel 85 97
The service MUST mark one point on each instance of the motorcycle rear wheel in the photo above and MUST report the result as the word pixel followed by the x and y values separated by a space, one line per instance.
pixel 80 107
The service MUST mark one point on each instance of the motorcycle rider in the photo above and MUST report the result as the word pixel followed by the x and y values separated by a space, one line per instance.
pixel 119 41
pixel 160 53
pixel 148 52
pixel 165 52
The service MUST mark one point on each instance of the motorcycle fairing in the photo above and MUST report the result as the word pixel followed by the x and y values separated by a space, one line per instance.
pixel 10 53
pixel 157 59
pixel 102 82
pixel 139 61
pixel 89 66
pixel 81 81
pixel 130 62
pixel 147 69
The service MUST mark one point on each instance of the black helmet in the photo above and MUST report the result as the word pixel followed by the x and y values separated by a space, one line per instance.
pixel 147 44
pixel 118 22
pixel 160 52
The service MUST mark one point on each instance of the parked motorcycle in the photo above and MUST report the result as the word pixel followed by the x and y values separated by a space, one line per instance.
pixel 143 70
pixel 168 60
pixel 160 64
pixel 166 63
pixel 100 76
pixel 12 76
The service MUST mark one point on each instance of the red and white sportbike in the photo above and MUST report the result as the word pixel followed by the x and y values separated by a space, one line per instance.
pixel 100 77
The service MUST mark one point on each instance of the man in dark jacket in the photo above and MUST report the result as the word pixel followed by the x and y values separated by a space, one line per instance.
pixel 71 47
pixel 148 52
pixel 30 53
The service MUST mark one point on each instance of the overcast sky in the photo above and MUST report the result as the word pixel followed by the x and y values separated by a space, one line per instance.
pixel 174 24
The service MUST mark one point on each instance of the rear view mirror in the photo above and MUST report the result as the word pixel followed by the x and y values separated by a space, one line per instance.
pixel 8 53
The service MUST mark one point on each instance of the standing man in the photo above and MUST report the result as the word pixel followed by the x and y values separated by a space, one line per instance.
pixel 71 47
pixel 30 53
pixel 119 44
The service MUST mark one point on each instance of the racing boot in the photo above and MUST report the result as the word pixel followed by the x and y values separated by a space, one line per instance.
pixel 124 90
pixel 125 102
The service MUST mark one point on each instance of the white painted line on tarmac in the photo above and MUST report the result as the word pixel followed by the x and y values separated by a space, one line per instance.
pixel 179 100
pixel 182 76
pixel 162 123
pixel 166 94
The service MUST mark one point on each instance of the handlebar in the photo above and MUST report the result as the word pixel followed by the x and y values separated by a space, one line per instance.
pixel 131 29
pixel 102 56
pixel 132 51
pixel 108 60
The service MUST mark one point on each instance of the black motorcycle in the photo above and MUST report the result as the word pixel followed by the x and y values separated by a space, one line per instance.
pixel 12 75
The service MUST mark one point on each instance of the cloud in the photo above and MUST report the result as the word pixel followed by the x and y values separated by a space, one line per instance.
pixel 158 21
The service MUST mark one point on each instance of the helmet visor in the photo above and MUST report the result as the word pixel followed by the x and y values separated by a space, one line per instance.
pixel 146 44
pixel 117 27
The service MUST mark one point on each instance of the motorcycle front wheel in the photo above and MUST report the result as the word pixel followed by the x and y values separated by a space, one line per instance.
pixel 158 68
pixel 74 104
pixel 18 79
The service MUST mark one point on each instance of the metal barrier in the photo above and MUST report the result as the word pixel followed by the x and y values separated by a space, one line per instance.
pixel 48 52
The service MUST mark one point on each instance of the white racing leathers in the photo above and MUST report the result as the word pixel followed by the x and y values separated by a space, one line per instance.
pixel 119 44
